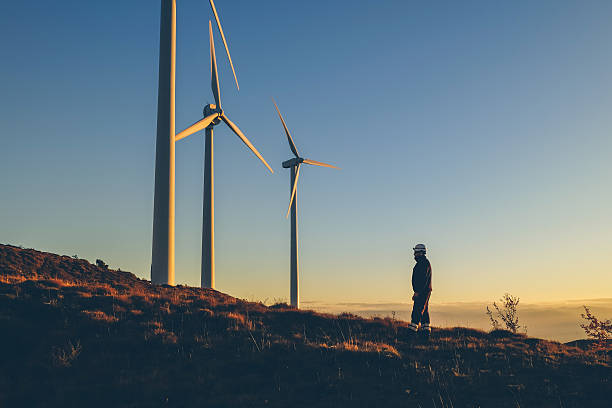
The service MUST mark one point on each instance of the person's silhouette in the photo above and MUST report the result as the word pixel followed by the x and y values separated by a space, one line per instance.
pixel 421 284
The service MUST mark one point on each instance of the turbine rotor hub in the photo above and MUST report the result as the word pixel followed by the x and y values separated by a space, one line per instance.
pixel 211 109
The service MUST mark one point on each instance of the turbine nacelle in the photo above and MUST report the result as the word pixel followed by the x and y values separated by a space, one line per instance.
pixel 210 109
pixel 292 162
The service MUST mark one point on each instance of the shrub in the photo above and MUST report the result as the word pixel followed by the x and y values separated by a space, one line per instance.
pixel 508 313
pixel 65 356
pixel 100 263
pixel 598 330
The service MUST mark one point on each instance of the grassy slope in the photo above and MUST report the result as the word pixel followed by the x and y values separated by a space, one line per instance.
pixel 74 334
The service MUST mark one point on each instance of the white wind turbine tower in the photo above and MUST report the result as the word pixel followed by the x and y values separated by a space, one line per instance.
pixel 294 165
pixel 162 257
pixel 213 115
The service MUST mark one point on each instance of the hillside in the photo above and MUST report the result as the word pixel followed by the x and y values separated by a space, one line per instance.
pixel 75 334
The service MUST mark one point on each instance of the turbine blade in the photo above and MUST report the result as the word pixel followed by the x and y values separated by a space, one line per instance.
pixel 214 78
pixel 212 4
pixel 244 139
pixel 297 174
pixel 316 163
pixel 199 125
pixel 291 144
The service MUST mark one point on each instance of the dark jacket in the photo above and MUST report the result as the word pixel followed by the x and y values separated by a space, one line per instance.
pixel 421 275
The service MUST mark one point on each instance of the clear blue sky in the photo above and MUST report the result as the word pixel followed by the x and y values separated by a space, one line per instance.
pixel 479 128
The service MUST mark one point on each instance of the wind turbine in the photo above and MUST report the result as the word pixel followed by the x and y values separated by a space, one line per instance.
pixel 162 254
pixel 294 165
pixel 213 115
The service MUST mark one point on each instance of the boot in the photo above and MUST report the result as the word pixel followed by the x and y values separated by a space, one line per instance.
pixel 412 331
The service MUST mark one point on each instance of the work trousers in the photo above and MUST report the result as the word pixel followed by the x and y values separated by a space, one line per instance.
pixel 420 312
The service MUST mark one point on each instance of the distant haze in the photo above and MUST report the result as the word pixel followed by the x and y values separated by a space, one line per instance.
pixel 558 321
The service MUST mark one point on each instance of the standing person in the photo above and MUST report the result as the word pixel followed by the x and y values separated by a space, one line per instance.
pixel 421 284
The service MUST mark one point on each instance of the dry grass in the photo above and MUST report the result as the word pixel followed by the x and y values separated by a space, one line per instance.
pixel 144 345
pixel 367 347
pixel 99 316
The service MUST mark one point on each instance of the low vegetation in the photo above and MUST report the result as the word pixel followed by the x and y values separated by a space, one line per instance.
pixel 77 334
pixel 598 330
pixel 507 312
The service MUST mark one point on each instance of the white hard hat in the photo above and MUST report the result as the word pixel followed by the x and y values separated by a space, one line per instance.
pixel 420 248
